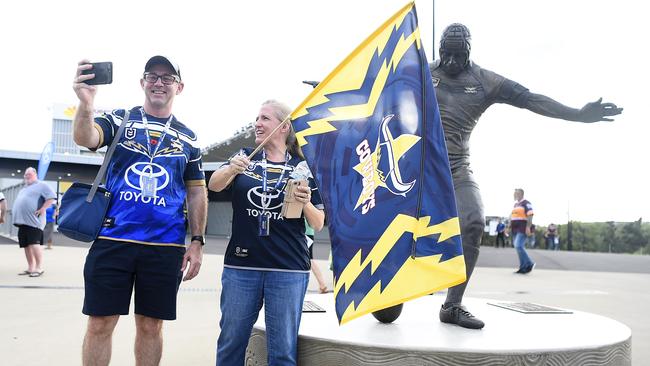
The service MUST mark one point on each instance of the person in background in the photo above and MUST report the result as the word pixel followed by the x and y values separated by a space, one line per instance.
pixel 50 219
pixel 521 222
pixel 322 285
pixel 3 208
pixel 531 238
pixel 28 215
pixel 550 235
pixel 501 235
pixel 267 260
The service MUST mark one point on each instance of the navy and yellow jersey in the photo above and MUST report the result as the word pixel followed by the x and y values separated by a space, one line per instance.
pixel 285 249
pixel 519 217
pixel 155 219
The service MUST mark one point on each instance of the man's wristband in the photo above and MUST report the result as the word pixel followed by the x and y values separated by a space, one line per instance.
pixel 199 238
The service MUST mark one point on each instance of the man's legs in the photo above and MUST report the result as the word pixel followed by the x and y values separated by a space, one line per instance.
pixel 30 238
pixel 158 276
pixel 108 284
pixel 472 224
pixel 525 263
pixel 96 349
pixel 31 261
pixel 148 340
pixel 37 254
pixel 500 239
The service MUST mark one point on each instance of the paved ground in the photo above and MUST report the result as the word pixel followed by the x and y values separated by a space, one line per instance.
pixel 490 257
pixel 42 322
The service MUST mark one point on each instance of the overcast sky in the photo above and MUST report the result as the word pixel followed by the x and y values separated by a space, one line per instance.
pixel 234 55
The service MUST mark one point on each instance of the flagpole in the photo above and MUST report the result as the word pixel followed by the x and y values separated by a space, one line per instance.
pixel 259 147
pixel 314 84
pixel 424 66
pixel 433 30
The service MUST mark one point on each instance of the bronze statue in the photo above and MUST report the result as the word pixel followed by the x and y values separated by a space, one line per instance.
pixel 464 91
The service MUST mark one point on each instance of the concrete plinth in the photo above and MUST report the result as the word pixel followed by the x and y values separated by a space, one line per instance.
pixel 417 337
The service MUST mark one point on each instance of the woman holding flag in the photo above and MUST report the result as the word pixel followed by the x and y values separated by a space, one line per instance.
pixel 267 260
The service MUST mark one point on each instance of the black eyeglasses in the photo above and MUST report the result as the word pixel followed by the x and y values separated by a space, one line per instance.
pixel 165 78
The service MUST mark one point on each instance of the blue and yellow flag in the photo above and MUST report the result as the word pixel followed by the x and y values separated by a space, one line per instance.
pixel 372 136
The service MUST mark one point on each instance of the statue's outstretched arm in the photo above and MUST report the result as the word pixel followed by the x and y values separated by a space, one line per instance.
pixel 591 112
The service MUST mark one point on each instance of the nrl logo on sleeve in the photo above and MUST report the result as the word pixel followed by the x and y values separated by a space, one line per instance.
pixel 129 133
pixel 436 81
pixel 380 168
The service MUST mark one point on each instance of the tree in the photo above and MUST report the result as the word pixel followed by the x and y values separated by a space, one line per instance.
pixel 609 235
pixel 631 238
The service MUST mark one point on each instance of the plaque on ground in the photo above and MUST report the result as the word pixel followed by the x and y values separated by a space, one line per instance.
pixel 529 308
pixel 311 307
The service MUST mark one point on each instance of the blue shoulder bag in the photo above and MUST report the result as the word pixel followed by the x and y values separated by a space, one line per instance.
pixel 84 206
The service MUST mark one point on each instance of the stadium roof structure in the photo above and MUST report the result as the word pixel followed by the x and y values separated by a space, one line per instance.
pixel 85 167
pixel 245 137
pixel 220 151
pixel 81 168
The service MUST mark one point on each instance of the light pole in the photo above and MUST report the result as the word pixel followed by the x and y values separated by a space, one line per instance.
pixel 569 228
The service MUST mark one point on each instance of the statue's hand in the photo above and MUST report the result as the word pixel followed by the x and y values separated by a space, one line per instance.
pixel 597 111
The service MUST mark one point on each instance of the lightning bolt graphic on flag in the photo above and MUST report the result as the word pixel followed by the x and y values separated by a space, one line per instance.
pixel 372 137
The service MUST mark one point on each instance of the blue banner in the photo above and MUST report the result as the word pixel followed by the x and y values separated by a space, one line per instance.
pixel 44 161
pixel 372 136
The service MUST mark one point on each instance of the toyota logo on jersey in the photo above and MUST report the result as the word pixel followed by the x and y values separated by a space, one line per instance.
pixel 263 202
pixel 135 177
pixel 135 173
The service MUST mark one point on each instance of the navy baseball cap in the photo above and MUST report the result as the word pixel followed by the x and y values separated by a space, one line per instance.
pixel 162 60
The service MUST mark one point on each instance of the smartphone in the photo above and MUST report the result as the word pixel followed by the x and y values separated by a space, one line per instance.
pixel 292 209
pixel 103 73
pixel 291 188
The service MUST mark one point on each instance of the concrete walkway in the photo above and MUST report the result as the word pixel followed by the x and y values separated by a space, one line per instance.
pixel 42 324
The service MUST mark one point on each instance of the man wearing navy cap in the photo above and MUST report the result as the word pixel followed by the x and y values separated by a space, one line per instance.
pixel 154 171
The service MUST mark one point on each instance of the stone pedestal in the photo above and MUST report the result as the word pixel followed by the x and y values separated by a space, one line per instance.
pixel 417 337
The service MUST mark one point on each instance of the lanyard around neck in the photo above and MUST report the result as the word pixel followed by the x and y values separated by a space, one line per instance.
pixel 287 157
pixel 160 140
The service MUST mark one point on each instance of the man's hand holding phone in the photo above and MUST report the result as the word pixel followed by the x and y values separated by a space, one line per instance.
pixel 88 75
pixel 102 73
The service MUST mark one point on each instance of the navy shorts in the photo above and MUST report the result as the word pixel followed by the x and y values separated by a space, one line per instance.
pixel 28 235
pixel 112 270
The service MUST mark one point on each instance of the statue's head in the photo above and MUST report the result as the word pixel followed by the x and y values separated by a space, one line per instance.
pixel 455 46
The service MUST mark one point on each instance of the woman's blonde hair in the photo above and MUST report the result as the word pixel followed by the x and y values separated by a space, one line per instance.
pixel 281 111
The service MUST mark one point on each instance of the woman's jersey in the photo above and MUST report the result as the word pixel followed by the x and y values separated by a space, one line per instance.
pixel 285 249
